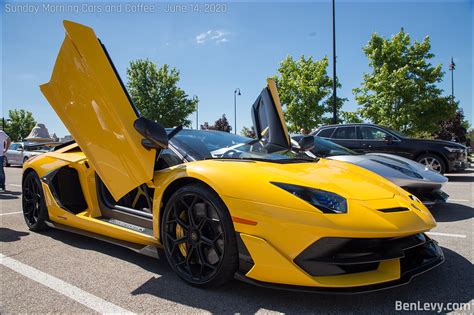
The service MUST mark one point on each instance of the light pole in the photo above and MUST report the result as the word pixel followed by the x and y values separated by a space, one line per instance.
pixel 236 92
pixel 197 113
pixel 452 67
pixel 334 83
pixel 197 116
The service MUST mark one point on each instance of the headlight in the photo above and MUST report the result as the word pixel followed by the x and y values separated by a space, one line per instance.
pixel 325 201
pixel 452 150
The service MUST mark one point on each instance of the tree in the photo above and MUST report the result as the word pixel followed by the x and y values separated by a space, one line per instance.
pixel 19 124
pixel 454 128
pixel 350 118
pixel 305 90
pixel 156 94
pixel 221 124
pixel 401 90
pixel 248 132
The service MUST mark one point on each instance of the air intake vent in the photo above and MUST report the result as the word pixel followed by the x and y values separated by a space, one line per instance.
pixel 396 209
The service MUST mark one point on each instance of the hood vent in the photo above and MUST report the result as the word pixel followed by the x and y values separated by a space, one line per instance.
pixel 396 209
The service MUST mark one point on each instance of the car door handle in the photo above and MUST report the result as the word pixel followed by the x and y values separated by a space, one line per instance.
pixel 366 145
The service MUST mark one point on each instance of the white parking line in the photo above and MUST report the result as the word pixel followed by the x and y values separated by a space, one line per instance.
pixel 91 301
pixel 446 234
pixel 8 213
pixel 458 200
pixel 14 185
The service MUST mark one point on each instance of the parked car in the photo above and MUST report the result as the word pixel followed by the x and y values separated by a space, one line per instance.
pixel 438 155
pixel 20 152
pixel 410 175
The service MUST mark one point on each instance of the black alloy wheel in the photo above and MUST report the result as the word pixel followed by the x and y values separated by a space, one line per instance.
pixel 198 237
pixel 34 207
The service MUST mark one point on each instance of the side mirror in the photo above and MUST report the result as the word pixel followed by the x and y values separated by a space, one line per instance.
pixel 306 143
pixel 388 139
pixel 154 134
pixel 20 149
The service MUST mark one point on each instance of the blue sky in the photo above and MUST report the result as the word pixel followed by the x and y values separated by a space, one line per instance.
pixel 218 52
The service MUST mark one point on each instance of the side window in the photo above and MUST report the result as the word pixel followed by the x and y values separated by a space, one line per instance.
pixel 370 133
pixel 325 133
pixel 167 159
pixel 345 133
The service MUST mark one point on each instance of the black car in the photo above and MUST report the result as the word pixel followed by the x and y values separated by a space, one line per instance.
pixel 439 155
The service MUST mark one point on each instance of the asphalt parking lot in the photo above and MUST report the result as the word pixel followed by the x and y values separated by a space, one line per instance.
pixel 82 275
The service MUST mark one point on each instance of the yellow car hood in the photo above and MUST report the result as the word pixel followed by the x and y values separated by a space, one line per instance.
pixel 345 179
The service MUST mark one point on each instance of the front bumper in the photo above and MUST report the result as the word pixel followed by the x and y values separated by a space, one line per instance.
pixel 351 266
pixel 429 197
pixel 460 165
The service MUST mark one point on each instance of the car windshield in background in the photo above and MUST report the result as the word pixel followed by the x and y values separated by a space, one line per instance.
pixel 324 148
pixel 208 144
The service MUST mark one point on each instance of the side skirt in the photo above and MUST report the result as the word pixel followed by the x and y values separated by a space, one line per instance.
pixel 148 250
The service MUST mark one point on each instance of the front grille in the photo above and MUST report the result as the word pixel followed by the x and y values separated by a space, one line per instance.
pixel 332 256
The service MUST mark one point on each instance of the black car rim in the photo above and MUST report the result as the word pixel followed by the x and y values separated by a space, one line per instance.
pixel 194 238
pixel 31 200
pixel 431 163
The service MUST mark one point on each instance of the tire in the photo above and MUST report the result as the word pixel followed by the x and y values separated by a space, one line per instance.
pixel 35 211
pixel 202 250
pixel 433 161
pixel 5 162
pixel 25 159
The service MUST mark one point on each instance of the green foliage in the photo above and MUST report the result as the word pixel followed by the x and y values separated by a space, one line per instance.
pixel 350 118
pixel 221 124
pixel 470 135
pixel 156 94
pixel 401 90
pixel 248 132
pixel 19 124
pixel 305 90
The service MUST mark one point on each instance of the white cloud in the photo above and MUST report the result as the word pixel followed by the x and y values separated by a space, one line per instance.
pixel 216 36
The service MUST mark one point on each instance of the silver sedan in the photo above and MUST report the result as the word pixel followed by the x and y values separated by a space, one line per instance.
pixel 410 175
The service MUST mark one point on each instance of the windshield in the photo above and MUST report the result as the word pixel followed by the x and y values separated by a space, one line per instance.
pixel 325 148
pixel 46 147
pixel 210 144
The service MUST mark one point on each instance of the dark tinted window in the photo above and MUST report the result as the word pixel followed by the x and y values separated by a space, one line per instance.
pixel 324 148
pixel 371 133
pixel 345 133
pixel 167 159
pixel 326 133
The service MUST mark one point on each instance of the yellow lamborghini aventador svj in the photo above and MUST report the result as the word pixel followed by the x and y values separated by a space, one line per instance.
pixel 219 206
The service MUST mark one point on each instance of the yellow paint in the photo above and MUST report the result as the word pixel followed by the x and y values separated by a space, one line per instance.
pixel 276 99
pixel 86 94
pixel 272 266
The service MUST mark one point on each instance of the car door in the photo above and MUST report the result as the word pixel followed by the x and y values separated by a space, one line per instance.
pixel 89 97
pixel 268 120
pixel 347 137
pixel 14 153
pixel 374 139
